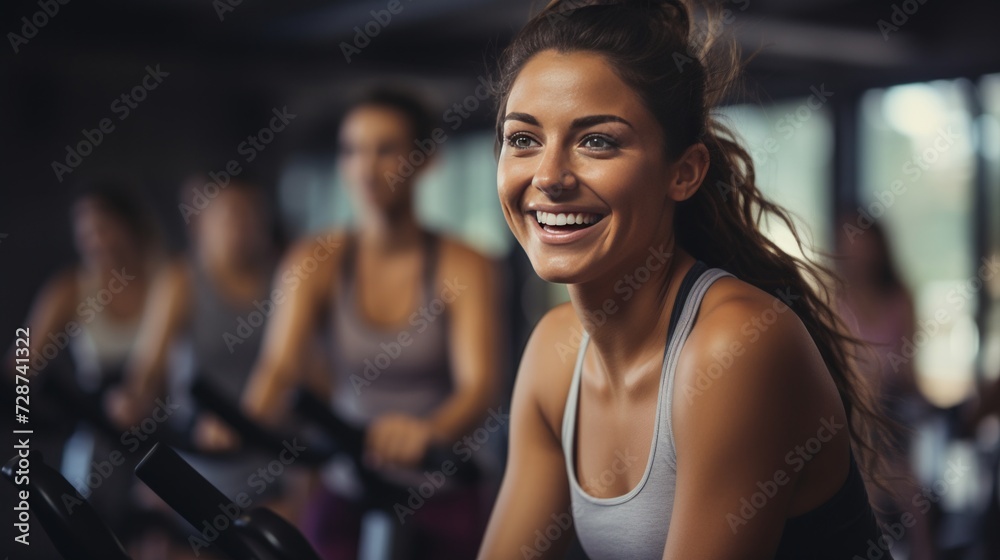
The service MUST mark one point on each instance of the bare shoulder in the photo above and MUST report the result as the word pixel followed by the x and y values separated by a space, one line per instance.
pixel 320 245
pixel 175 271
pixel 548 362
pixel 312 260
pixel 457 256
pixel 750 348
pixel 60 292
pixel 465 271
pixel 736 309
pixel 62 284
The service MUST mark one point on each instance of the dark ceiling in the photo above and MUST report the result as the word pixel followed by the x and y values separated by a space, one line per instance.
pixel 295 44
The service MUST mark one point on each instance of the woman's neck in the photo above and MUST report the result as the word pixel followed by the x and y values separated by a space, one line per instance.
pixel 387 232
pixel 230 268
pixel 132 265
pixel 627 313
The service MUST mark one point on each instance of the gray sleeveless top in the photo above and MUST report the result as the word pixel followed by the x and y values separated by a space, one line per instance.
pixel 404 368
pixel 225 337
pixel 635 524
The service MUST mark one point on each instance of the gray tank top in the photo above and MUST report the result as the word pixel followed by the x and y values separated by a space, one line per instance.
pixel 635 524
pixel 225 337
pixel 404 368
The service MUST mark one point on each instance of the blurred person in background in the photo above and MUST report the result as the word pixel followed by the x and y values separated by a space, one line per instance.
pixel 389 292
pixel 201 299
pixel 93 309
pixel 878 307
pixel 199 325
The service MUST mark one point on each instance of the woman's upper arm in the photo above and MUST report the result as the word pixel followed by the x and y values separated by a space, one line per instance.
pixel 475 330
pixel 52 309
pixel 168 309
pixel 298 299
pixel 534 494
pixel 737 432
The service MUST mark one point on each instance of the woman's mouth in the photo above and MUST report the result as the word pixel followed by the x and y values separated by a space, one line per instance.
pixel 566 222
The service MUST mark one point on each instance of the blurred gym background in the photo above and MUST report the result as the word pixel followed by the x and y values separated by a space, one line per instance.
pixel 854 109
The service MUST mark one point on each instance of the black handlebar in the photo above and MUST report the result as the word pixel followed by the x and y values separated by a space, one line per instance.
pixel 71 523
pixel 256 534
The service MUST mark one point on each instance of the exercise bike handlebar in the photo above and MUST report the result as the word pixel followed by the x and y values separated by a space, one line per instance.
pixel 256 534
pixel 252 433
pixel 70 522
pixel 352 439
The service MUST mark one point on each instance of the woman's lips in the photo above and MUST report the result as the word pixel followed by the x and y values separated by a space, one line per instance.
pixel 560 228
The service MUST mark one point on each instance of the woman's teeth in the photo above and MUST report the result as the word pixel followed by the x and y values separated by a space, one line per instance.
pixel 561 219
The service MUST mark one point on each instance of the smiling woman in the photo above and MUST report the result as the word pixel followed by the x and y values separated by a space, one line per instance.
pixel 608 152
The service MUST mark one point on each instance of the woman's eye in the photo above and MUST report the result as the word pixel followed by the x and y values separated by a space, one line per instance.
pixel 598 143
pixel 520 141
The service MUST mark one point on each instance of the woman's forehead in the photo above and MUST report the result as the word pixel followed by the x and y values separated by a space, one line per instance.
pixel 553 84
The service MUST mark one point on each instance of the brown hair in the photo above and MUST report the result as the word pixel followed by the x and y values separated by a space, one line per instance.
pixel 681 73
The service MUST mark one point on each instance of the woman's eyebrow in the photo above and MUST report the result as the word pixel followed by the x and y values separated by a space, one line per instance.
pixel 582 122
pixel 523 117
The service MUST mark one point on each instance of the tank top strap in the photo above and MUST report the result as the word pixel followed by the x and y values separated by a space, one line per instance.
pixel 687 313
pixel 693 287
pixel 348 265
pixel 432 253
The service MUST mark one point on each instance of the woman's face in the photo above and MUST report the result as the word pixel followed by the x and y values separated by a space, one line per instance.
pixel 579 145
pixel 234 226
pixel 101 238
pixel 372 141
pixel 863 258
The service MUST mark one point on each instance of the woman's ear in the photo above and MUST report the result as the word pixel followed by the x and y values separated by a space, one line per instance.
pixel 689 172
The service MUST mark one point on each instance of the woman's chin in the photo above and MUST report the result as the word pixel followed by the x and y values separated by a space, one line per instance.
pixel 556 274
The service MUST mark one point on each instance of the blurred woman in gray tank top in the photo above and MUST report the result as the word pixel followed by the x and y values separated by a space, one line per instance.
pixel 409 318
